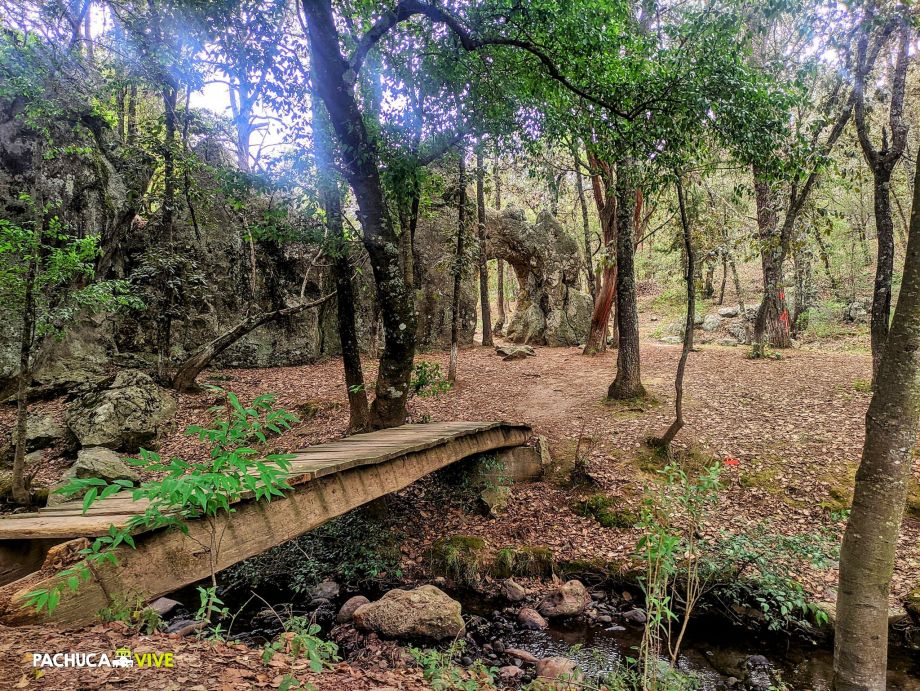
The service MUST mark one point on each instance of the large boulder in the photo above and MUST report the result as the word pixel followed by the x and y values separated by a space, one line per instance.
pixel 132 412
pixel 425 612
pixel 711 322
pixel 97 462
pixel 568 600
pixel 550 309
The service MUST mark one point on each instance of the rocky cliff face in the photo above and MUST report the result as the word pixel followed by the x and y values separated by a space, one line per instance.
pixel 550 309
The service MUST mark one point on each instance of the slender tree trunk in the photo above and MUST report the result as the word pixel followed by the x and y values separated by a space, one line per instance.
pixel 499 327
pixel 628 381
pixel 458 273
pixel 884 268
pixel 394 297
pixel 331 199
pixel 483 260
pixel 586 228
pixel 724 279
pixel 131 125
pixel 870 541
pixel 188 371
pixel 606 203
pixel 772 322
pixel 826 261
pixel 665 440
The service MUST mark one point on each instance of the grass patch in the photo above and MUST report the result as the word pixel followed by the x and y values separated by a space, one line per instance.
pixel 533 561
pixel 763 478
pixel 863 385
pixel 651 459
pixel 459 557
pixel 600 507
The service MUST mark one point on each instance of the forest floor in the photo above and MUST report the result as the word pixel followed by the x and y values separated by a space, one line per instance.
pixel 794 425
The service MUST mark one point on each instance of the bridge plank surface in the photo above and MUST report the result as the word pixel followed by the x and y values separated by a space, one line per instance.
pixel 67 519
pixel 327 483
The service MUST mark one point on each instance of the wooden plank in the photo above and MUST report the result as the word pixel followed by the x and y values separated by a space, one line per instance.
pixel 310 464
pixel 167 560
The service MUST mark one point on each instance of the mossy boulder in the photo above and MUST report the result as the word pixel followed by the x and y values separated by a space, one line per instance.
pixel 459 557
pixel 425 612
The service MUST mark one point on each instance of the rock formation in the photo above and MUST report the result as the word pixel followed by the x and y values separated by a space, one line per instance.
pixel 550 310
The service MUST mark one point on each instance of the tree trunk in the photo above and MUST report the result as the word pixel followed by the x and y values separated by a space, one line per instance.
pixel 628 381
pixel 870 541
pixel 499 327
pixel 586 228
pixel 458 273
pixel 331 199
pixel 606 203
pixel 884 268
pixel 483 260
pixel 826 261
pixel 724 279
pixel 188 371
pixel 772 322
pixel 394 297
pixel 665 440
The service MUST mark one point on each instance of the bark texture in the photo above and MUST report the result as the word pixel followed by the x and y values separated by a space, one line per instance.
pixel 870 541
pixel 483 259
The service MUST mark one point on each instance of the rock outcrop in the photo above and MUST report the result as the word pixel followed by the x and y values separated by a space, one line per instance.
pixel 425 612
pixel 96 462
pixel 551 310
pixel 132 412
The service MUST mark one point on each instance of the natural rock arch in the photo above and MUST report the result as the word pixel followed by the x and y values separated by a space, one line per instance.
pixel 550 309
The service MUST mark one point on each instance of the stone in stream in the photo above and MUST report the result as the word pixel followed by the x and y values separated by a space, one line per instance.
pixel 347 611
pixel 530 619
pixel 635 616
pixel 557 668
pixel 425 612
pixel 327 590
pixel 568 600
pixel 513 591
pixel 521 655
pixel 510 672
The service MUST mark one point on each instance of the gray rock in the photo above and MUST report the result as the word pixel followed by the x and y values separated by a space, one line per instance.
pixel 130 413
pixel 522 655
pixel 531 620
pixel 697 319
pixel 672 340
pixel 495 499
pixel 513 591
pixel 711 322
pixel 327 590
pixel 677 329
pixel 515 352
pixel 164 605
pixel 43 431
pixel 568 600
pixel 94 462
pixel 737 330
pixel 728 312
pixel 635 616
pixel 347 611
pixel 857 312
pixel 425 612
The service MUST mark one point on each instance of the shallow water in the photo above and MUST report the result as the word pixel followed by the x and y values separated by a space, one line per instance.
pixel 712 651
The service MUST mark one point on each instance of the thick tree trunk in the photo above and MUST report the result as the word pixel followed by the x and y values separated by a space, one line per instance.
pixel 772 322
pixel 665 440
pixel 628 381
pixel 605 201
pixel 458 274
pixel 884 268
pixel 188 371
pixel 331 199
pixel 870 541
pixel 483 261
pixel 394 297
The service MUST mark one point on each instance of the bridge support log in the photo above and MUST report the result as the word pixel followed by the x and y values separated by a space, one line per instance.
pixel 167 560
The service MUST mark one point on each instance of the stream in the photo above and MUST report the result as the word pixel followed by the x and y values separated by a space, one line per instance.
pixel 719 655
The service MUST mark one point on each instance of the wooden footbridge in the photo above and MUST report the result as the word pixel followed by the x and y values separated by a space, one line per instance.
pixel 328 480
